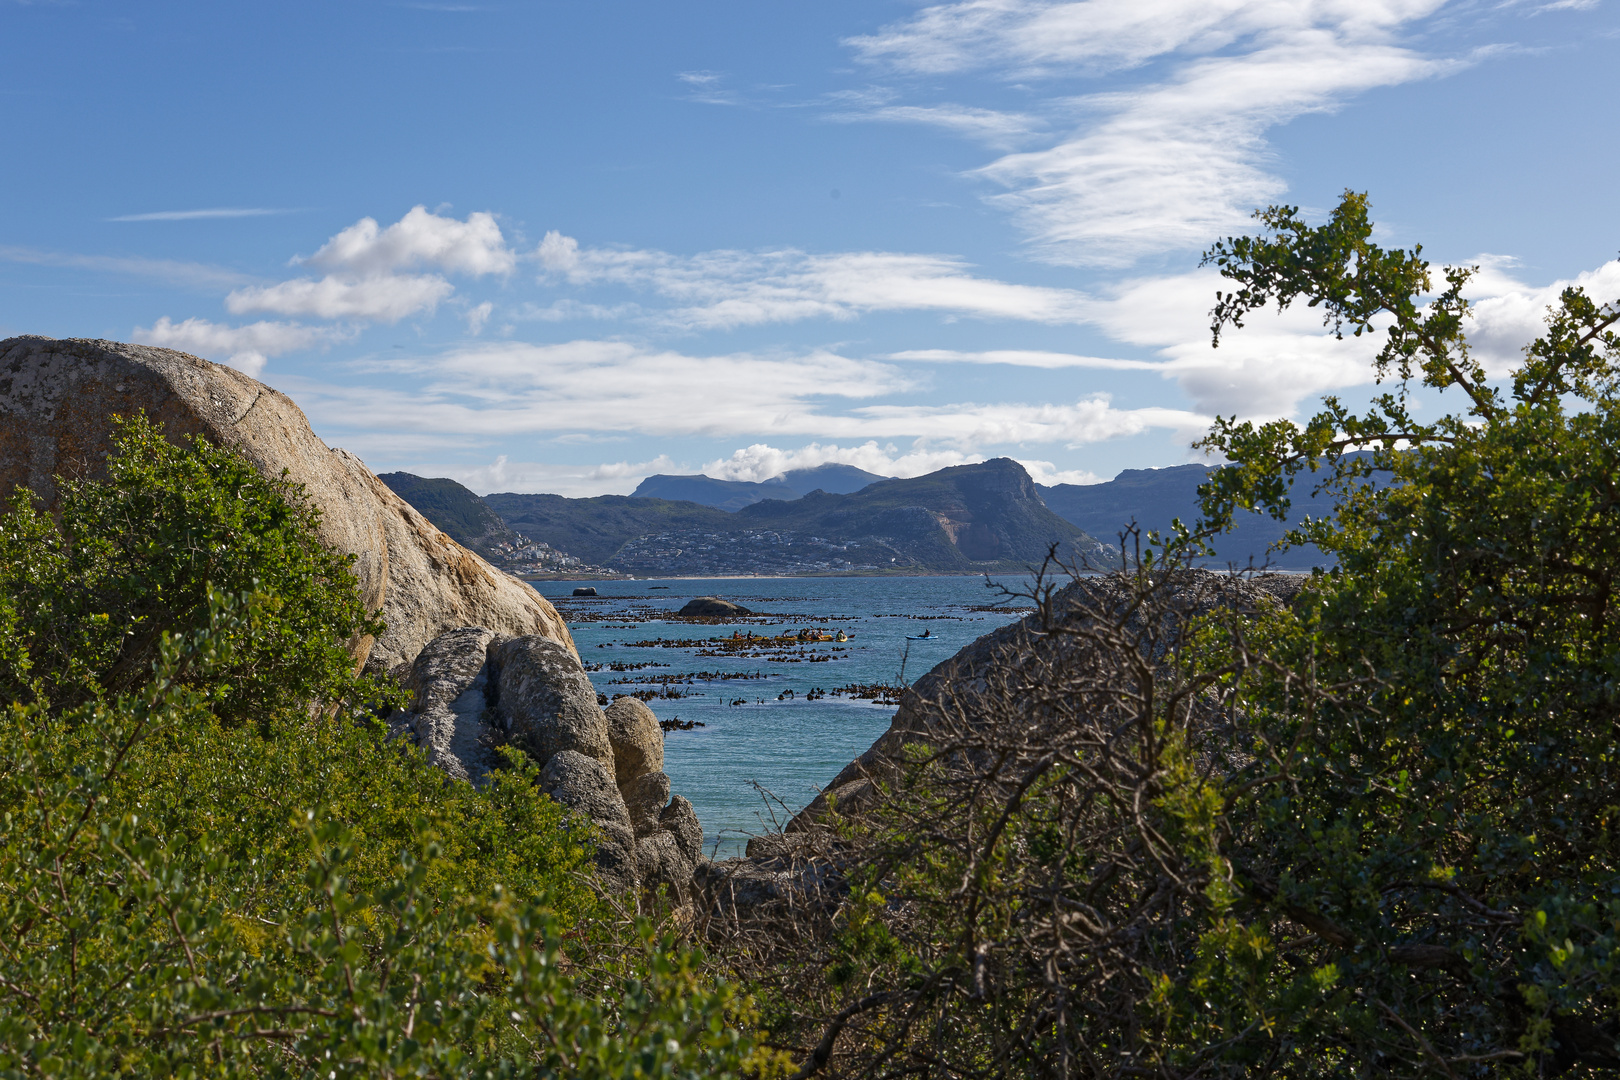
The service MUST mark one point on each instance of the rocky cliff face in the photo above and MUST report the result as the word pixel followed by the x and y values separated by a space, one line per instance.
pixel 57 400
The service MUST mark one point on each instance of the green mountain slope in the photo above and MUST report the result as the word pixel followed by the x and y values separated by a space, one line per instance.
pixel 973 517
pixel 455 509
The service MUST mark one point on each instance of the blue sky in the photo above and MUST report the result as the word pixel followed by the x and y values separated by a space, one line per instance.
pixel 559 246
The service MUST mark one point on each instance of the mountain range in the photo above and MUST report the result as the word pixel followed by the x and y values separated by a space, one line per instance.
pixel 988 516
pixel 736 494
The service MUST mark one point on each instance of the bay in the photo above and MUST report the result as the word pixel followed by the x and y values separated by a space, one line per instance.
pixel 765 725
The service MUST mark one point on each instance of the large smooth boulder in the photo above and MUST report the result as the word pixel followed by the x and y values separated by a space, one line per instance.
pixel 546 701
pixel 446 715
pixel 638 741
pixel 583 784
pixel 57 400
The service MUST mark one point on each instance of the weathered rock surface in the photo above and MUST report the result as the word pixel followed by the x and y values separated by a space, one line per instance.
pixel 473 689
pixel 447 683
pixel 57 400
pixel 645 797
pixel 659 861
pixel 681 821
pixel 712 607
pixel 546 701
pixel 637 740
pixel 582 783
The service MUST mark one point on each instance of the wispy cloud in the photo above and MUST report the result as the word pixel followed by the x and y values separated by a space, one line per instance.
pixel 761 461
pixel 1172 163
pixel 185 274
pixel 605 388
pixel 203 215
pixel 388 298
pixel 998 130
pixel 707 88
pixel 1033 358
pixel 720 289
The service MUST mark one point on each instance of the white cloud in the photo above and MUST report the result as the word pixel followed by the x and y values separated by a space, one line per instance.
pixel 364 263
pixel 186 274
pixel 1025 39
pixel 1088 420
pixel 572 480
pixel 202 215
pixel 1048 475
pixel 243 347
pixel 1173 166
pixel 478 316
pixel 388 298
pixel 999 130
pixel 1032 358
pixel 418 239
pixel 1509 314
pixel 558 253
pixel 1175 162
pixel 607 387
pixel 719 289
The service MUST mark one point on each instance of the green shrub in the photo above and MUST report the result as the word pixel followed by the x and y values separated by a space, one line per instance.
pixel 1372 834
pixel 213 862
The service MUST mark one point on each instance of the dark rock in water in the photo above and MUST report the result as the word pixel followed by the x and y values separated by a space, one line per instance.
pixel 447 683
pixel 546 701
pixel 585 590
pixel 712 607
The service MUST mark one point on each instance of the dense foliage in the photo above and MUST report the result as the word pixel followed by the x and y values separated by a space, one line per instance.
pixel 212 862
pixel 1368 833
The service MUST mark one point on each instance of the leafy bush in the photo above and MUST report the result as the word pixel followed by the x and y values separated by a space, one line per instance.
pixel 1368 834
pixel 121 562
pixel 191 886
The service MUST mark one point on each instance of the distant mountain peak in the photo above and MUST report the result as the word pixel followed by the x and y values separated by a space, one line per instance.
pixel 730 495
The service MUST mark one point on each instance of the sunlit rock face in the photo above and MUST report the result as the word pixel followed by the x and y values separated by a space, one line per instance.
pixel 57 402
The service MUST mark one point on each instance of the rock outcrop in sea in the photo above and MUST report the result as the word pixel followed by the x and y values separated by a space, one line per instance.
pixel 57 401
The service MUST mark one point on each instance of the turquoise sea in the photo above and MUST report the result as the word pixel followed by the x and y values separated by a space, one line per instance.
pixel 763 720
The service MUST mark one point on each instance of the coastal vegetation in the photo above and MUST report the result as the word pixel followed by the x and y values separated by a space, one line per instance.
pixel 1181 829
pixel 1174 824
pixel 212 862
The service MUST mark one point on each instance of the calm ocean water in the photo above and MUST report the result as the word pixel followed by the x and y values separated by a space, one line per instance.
pixel 758 727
